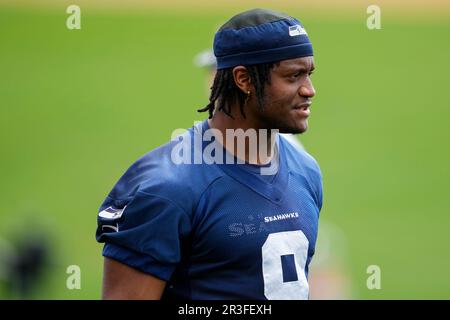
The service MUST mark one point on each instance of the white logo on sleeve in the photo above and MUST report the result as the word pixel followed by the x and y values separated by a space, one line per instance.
pixel 297 30
pixel 112 213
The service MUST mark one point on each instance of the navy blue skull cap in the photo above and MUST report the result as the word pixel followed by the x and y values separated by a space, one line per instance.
pixel 260 36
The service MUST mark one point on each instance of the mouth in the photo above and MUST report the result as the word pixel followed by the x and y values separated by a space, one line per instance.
pixel 303 109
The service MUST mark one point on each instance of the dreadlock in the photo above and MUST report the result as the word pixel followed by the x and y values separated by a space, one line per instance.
pixel 225 93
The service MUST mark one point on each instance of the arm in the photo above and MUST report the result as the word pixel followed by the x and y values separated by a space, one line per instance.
pixel 123 282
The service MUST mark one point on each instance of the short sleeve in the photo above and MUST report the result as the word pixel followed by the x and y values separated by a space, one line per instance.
pixel 144 231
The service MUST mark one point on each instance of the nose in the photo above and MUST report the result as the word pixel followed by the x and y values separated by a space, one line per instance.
pixel 307 89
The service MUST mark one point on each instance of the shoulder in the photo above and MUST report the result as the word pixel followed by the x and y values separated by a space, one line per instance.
pixel 302 164
pixel 159 174
pixel 299 160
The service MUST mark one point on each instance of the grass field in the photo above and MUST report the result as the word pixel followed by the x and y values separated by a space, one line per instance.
pixel 78 107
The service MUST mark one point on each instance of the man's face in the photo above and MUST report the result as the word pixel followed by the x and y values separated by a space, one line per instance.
pixel 288 96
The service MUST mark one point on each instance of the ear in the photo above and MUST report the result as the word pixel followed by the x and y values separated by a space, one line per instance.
pixel 242 79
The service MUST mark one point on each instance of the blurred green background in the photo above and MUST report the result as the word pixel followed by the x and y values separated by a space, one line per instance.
pixel 77 107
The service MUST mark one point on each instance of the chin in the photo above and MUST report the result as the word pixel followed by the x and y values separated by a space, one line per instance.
pixel 295 130
pixel 298 128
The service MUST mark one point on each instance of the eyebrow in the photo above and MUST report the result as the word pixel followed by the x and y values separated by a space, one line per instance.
pixel 299 69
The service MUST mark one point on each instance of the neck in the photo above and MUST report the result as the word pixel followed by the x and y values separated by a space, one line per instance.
pixel 244 137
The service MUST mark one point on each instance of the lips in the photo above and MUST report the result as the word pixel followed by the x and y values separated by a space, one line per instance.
pixel 303 109
pixel 303 105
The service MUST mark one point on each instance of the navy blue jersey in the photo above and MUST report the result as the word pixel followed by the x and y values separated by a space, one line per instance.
pixel 216 231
